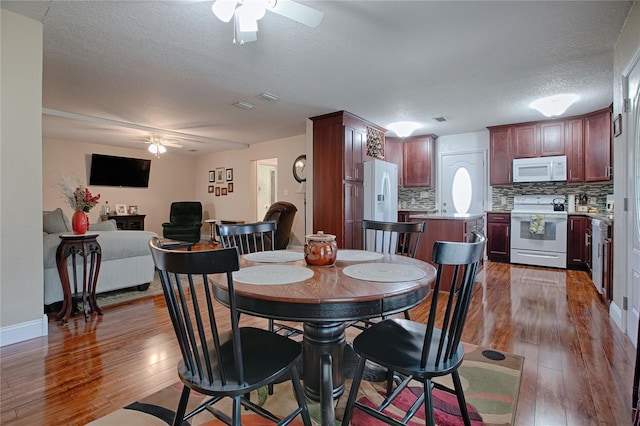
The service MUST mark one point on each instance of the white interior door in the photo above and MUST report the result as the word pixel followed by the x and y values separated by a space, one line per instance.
pixel 462 183
pixel 267 177
pixel 633 216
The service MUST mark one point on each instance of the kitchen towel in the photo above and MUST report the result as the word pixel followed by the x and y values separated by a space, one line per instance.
pixel 536 224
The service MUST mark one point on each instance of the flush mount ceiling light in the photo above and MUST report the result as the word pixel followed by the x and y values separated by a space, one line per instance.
pixel 404 128
pixel 247 13
pixel 553 106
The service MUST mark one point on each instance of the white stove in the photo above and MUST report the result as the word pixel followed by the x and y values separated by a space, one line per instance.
pixel 538 231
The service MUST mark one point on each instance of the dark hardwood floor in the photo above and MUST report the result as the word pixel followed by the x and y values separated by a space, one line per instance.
pixel 578 368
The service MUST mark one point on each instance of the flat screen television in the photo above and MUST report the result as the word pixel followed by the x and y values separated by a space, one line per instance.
pixel 109 170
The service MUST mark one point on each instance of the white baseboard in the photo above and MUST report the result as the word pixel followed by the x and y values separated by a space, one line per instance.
pixel 24 331
pixel 616 315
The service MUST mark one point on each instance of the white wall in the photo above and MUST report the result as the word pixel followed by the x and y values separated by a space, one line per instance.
pixel 172 178
pixel 21 269
pixel 241 203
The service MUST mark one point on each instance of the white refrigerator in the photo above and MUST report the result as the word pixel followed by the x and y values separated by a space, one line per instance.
pixel 380 191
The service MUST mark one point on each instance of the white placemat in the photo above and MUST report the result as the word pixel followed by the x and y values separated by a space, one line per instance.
pixel 272 274
pixel 358 255
pixel 274 256
pixel 384 272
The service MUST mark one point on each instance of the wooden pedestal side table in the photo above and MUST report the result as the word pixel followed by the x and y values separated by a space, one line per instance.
pixel 88 248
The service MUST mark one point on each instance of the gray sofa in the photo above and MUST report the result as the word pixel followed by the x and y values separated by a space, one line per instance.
pixel 126 257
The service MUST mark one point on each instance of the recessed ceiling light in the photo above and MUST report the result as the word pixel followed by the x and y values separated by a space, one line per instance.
pixel 553 106
pixel 244 105
pixel 268 96
pixel 403 128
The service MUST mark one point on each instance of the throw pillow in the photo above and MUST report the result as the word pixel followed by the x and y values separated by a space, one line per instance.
pixel 55 221
pixel 106 225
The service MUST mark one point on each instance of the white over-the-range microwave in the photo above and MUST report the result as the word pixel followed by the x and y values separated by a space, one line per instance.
pixel 540 169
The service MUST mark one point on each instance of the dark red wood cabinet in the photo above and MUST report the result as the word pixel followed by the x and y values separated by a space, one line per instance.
pixel 339 149
pixel 418 152
pixel 498 237
pixel 576 247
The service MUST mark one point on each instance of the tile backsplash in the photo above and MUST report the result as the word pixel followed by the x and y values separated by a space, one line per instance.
pixel 597 193
pixel 412 197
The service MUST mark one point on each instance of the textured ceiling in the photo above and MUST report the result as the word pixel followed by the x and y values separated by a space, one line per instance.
pixel 171 69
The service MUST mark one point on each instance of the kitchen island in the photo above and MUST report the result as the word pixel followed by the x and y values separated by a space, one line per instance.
pixel 445 227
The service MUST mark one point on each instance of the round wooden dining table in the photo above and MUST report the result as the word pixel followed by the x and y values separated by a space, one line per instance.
pixel 326 299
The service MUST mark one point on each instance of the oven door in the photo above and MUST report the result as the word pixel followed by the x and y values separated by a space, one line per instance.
pixel 553 236
pixel 546 247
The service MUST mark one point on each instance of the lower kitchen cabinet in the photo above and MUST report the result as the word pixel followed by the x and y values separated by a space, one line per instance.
pixel 576 242
pixel 498 237
pixel 444 229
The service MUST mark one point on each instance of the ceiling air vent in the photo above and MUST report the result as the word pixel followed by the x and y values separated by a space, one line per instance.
pixel 244 105
pixel 440 119
pixel 268 96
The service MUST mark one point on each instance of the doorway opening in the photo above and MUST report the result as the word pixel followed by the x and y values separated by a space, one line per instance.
pixel 266 185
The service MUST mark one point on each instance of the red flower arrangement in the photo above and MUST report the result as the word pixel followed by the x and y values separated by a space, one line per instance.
pixel 80 199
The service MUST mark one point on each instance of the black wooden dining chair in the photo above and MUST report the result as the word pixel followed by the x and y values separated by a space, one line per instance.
pixel 219 362
pixel 417 351
pixel 250 238
pixel 391 237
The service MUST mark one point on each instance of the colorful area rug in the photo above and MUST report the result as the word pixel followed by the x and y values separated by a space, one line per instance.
pixel 491 380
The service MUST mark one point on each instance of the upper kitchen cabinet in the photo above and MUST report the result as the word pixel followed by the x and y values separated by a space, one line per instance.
pixel 339 147
pixel 538 139
pixel 585 140
pixel 597 146
pixel 575 150
pixel 500 155
pixel 418 154
pixel 393 148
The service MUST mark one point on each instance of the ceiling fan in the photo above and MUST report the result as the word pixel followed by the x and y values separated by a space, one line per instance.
pixel 157 145
pixel 247 13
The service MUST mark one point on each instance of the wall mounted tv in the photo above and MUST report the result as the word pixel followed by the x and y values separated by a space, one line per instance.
pixel 109 170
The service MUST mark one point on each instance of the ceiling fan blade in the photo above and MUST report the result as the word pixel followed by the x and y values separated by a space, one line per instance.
pixel 298 12
pixel 171 144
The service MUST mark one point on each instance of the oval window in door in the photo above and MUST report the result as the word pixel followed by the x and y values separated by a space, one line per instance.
pixel 461 190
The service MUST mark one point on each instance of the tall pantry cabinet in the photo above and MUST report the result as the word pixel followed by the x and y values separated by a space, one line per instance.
pixel 339 152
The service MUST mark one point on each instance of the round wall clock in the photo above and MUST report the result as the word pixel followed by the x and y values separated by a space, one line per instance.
pixel 300 168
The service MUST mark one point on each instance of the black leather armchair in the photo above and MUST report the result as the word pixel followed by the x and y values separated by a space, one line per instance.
pixel 283 214
pixel 185 221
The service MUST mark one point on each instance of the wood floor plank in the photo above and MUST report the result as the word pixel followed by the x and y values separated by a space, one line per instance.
pixel 578 367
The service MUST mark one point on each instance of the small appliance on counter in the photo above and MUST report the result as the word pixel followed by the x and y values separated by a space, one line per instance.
pixel 558 204
pixel 582 203
pixel 609 205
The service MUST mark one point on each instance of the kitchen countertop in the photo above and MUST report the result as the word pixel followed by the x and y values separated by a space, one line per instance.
pixel 417 209
pixel 602 216
pixel 455 216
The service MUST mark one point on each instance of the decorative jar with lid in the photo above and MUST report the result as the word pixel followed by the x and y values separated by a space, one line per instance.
pixel 320 249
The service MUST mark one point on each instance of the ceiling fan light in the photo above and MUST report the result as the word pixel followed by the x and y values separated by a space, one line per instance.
pixel 223 9
pixel 553 106
pixel 404 128
pixel 246 21
pixel 162 149
pixel 153 148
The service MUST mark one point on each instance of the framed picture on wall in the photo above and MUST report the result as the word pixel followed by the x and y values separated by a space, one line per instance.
pixel 210 189
pixel 220 174
pixel 230 187
pixel 224 191
pixel 212 176
pixel 217 191
pixel 229 175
